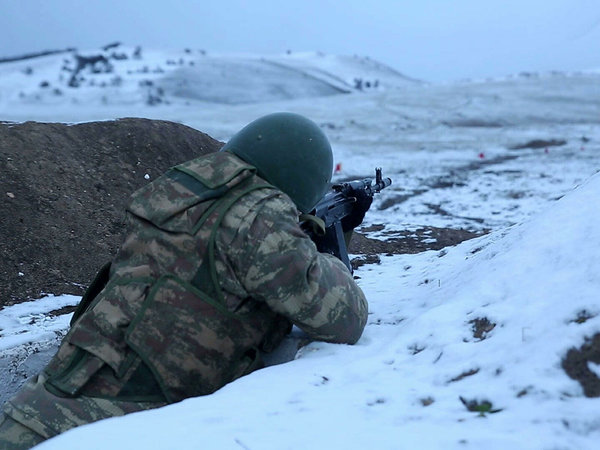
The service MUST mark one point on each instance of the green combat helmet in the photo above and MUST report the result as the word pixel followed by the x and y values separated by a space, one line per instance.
pixel 290 152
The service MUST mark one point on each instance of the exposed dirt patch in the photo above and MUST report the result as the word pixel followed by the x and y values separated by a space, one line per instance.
pixel 426 401
pixel 464 375
pixel 525 391
pixel 481 163
pixel 583 316
pixel 539 143
pixel 481 327
pixel 416 349
pixel 403 242
pixel 374 227
pixel 575 364
pixel 61 311
pixel 473 123
pixel 63 189
pixel 365 259
pixel 409 241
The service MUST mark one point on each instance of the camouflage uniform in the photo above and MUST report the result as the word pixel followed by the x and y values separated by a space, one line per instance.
pixel 213 272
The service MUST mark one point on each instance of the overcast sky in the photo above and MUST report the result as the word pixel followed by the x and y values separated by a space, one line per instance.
pixel 434 40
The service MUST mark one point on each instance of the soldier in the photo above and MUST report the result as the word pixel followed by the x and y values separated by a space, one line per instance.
pixel 213 272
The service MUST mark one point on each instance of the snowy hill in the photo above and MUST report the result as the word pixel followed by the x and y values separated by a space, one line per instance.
pixel 121 75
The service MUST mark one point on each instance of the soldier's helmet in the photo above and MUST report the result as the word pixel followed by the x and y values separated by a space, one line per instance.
pixel 290 152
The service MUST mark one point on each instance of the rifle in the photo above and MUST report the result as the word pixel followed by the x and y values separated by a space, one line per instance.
pixel 326 223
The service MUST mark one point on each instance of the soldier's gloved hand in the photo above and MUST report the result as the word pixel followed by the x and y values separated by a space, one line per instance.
pixel 362 205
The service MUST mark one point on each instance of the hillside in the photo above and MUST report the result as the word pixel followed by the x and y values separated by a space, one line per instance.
pixel 118 75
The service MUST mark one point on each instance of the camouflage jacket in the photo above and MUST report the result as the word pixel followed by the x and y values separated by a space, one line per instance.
pixel 213 271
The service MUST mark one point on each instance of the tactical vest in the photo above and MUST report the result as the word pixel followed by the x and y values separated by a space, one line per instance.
pixel 162 321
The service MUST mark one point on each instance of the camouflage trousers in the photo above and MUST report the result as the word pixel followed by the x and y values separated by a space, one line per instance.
pixel 14 436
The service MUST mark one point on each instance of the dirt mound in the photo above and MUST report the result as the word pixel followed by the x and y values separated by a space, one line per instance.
pixel 63 189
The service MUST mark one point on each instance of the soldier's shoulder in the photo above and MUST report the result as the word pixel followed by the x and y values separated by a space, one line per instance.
pixel 258 211
pixel 268 201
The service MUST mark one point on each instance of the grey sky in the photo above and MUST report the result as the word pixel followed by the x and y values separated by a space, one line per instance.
pixel 429 39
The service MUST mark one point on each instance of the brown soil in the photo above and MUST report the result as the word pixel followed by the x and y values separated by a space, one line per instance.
pixel 62 194
pixel 399 242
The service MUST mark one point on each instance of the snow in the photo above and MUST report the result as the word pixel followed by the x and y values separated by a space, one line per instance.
pixel 594 368
pixel 530 280
pixel 33 321
pixel 447 149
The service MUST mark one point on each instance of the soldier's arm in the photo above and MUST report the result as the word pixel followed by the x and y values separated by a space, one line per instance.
pixel 284 269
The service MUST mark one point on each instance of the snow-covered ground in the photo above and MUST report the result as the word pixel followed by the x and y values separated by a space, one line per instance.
pixel 489 320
